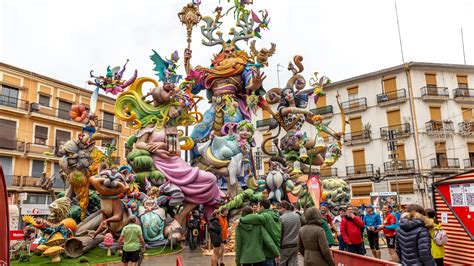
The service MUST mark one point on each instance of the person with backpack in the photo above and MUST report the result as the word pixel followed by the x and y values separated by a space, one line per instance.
pixel 413 242
pixel 438 238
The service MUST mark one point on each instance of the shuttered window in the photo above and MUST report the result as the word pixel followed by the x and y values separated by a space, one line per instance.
pixel 435 113
pixel 470 147
pixel 63 109
pixel 321 101
pixel 353 93
pixel 404 186
pixel 37 168
pixel 467 113
pixel 62 137
pixel 265 114
pixel 361 190
pixel 462 81
pixel 7 134
pixel 390 85
pixel 401 152
pixel 359 161
pixel 268 144
pixel 356 124
pixel 393 118
pixel 41 135
pixel 430 79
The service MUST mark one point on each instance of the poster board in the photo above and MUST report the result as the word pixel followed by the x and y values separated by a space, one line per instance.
pixel 379 199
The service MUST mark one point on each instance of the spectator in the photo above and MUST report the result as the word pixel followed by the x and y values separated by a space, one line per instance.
pixel 436 251
pixel 131 241
pixel 327 224
pixel 389 227
pixel 350 231
pixel 202 228
pixel 312 242
pixel 193 232
pixel 269 219
pixel 372 222
pixel 225 232
pixel 251 241
pixel 254 207
pixel 413 237
pixel 290 226
pixel 337 223
pixel 215 232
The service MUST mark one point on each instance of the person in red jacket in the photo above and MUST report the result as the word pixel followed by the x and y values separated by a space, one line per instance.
pixel 389 226
pixel 350 230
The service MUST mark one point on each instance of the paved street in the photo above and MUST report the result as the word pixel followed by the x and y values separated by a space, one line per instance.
pixel 195 258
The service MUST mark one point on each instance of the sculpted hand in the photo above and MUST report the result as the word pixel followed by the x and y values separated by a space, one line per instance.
pixel 256 81
pixel 156 146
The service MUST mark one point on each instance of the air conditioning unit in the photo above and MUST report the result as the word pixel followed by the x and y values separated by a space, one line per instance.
pixel 34 107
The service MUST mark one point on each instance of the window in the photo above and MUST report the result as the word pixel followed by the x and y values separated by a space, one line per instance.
pixel 462 81
pixel 467 114
pixel 63 110
pixel 44 100
pixel 435 113
pixel 441 156
pixel 37 168
pixel 430 79
pixel 106 141
pixel 108 121
pixel 35 199
pixel 62 137
pixel 404 186
pixel 361 190
pixel 7 166
pixel 41 135
pixel 353 93
pixel 470 149
pixel 356 127
pixel 358 157
pixel 7 134
pixel 9 96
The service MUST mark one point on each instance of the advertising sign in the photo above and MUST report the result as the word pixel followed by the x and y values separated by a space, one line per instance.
pixel 17 235
pixel 379 199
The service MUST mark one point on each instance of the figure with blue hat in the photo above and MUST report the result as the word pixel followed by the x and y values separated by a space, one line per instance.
pixel 372 222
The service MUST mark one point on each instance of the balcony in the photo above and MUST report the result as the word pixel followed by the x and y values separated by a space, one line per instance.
pixel 355 105
pixel 33 149
pixel 393 97
pixel 434 93
pixel 52 114
pixel 469 163
pixel 325 111
pixel 328 172
pixel 399 167
pixel 108 125
pixel 12 145
pixel 26 181
pixel 445 165
pixel 12 102
pixel 265 122
pixel 359 137
pixel 399 131
pixel 360 171
pixel 463 95
pixel 11 179
pixel 466 128
pixel 436 128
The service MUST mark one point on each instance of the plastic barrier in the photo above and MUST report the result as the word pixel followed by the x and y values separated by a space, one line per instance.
pixel 342 258
pixel 4 222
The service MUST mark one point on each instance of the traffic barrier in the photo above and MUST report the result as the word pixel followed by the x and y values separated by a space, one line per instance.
pixel 343 258
pixel 178 261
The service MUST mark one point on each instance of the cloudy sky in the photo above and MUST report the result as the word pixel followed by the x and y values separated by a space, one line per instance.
pixel 341 39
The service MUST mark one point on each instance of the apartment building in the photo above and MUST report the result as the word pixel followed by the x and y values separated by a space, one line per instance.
pixel 34 122
pixel 407 126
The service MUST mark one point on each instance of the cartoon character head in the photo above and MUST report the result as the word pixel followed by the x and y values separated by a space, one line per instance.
pixel 110 181
pixel 246 130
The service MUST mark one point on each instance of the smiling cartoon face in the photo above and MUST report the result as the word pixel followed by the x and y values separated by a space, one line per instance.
pixel 109 181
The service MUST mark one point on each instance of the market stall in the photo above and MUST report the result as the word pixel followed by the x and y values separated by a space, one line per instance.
pixel 454 205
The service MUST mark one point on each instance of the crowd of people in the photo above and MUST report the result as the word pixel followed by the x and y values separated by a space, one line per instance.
pixel 269 234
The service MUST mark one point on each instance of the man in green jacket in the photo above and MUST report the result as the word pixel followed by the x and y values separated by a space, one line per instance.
pixel 270 220
pixel 251 241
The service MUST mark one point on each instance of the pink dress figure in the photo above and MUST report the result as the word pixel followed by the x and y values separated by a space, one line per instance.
pixel 198 186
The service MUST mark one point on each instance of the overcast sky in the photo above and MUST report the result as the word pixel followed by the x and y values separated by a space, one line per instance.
pixel 341 39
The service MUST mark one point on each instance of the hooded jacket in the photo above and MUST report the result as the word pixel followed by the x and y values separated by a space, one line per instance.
pixel 350 230
pixel 215 231
pixel 253 244
pixel 413 240
pixel 312 242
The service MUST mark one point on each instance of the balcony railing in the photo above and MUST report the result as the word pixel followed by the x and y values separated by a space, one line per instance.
pixel 468 163
pixel 444 163
pixel 393 96
pixel 13 102
pixel 328 172
pixel 26 181
pixel 50 111
pixel 264 122
pixel 463 93
pixel 12 145
pixel 364 170
pixel 436 127
pixel 11 179
pixel 466 128
pixel 325 110
pixel 355 105
pixel 40 149
pixel 431 91
pixel 399 166
pixel 399 131
pixel 357 137
pixel 109 125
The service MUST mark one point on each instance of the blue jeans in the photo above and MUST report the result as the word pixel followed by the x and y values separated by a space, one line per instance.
pixel 342 244
pixel 269 262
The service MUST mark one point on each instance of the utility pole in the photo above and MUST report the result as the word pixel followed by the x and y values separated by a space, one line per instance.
pixel 278 73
